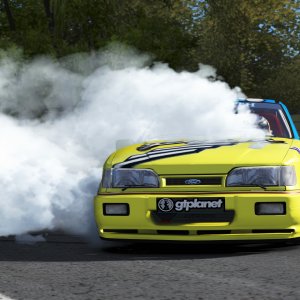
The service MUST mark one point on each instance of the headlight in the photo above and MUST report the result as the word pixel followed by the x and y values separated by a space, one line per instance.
pixel 262 176
pixel 124 178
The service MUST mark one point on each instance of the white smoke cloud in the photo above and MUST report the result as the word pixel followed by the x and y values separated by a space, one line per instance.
pixel 60 120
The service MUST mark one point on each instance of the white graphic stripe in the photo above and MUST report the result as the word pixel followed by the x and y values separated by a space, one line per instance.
pixel 189 146
pixel 168 152
pixel 171 151
pixel 149 157
pixel 178 148
pixel 153 152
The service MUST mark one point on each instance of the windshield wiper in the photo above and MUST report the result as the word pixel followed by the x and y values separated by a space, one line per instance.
pixel 270 140
pixel 257 185
pixel 262 186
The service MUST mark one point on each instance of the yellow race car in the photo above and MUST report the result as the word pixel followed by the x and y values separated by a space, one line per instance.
pixel 196 191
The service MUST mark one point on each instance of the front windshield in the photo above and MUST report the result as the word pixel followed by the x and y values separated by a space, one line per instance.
pixel 274 115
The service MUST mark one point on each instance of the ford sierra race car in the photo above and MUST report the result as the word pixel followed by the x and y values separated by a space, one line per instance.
pixel 197 191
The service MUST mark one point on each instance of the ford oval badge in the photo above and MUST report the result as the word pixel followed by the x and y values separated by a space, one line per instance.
pixel 192 181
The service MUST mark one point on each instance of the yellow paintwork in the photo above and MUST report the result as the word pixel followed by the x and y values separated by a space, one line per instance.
pixel 210 162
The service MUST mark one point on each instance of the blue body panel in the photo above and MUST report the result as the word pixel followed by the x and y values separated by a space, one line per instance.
pixel 269 101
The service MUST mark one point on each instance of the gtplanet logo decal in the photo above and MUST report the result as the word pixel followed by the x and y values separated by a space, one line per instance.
pixel 167 204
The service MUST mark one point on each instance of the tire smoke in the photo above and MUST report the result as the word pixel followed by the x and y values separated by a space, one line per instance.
pixel 60 120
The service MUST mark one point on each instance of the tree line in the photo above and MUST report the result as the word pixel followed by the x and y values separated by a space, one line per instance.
pixel 253 44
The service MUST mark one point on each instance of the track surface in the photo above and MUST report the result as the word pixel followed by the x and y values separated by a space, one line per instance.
pixel 66 267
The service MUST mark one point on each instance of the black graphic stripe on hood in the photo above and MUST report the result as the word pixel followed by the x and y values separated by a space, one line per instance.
pixel 189 148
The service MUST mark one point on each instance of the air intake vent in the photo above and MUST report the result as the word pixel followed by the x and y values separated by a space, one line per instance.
pixel 123 231
pixel 213 232
pixel 173 232
pixel 273 231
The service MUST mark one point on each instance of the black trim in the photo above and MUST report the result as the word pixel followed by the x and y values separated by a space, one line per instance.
pixel 199 232
pixel 191 217
pixel 273 231
pixel 279 242
pixel 123 231
pixel 173 232
pixel 202 232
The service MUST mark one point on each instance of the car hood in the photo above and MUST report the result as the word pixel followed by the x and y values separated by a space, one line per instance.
pixel 201 157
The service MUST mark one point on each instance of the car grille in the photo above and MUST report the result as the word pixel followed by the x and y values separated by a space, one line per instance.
pixel 192 181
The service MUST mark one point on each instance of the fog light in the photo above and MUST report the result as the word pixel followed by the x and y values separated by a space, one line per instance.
pixel 116 209
pixel 270 208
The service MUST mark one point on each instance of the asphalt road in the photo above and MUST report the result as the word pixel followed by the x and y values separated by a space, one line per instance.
pixel 66 267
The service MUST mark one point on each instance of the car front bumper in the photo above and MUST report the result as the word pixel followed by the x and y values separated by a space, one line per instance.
pixel 242 225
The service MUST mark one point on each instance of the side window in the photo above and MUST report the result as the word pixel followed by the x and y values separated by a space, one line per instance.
pixel 278 123
pixel 286 127
pixel 273 114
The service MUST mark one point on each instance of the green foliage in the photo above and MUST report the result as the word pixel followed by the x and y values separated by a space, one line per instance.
pixel 284 85
pixel 247 39
pixel 253 44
